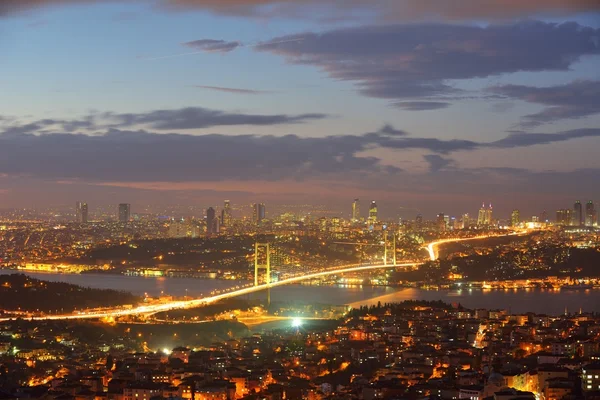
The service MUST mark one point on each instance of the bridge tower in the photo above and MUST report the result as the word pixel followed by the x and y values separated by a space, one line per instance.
pixel 263 263
pixel 389 249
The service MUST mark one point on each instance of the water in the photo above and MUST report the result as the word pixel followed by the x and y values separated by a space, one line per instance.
pixel 539 301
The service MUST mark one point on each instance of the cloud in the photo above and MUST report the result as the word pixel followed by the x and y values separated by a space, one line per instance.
pixel 577 99
pixel 233 90
pixel 437 162
pixel 119 155
pixel 138 156
pixel 419 61
pixel 386 10
pixel 213 46
pixel 389 130
pixel 421 105
pixel 522 139
pixel 198 117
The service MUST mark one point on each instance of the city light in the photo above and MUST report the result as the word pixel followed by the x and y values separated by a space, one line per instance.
pixel 296 323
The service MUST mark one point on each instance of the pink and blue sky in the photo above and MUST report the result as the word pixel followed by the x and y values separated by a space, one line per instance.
pixel 425 105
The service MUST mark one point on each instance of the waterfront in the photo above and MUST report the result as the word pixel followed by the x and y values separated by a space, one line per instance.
pixel 535 300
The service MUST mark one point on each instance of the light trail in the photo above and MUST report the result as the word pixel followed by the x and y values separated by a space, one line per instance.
pixel 186 304
pixel 431 247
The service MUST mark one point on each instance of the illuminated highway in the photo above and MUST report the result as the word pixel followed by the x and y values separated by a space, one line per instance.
pixel 186 304
pixel 183 304
pixel 432 247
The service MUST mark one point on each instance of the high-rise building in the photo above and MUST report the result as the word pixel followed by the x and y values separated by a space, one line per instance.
pixel 81 210
pixel 561 217
pixel 258 213
pixel 590 214
pixel 355 210
pixel 212 222
pixel 373 212
pixel 226 218
pixel 441 222
pixel 564 216
pixel 544 217
pixel 484 218
pixel 577 214
pixel 419 222
pixel 515 218
pixel 466 221
pixel 124 212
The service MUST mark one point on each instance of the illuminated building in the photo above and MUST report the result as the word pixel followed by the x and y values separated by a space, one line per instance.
pixel 590 214
pixel 258 212
pixel 226 214
pixel 590 377
pixel 466 221
pixel 182 229
pixel 441 222
pixel 355 210
pixel 484 218
pixel 577 214
pixel 515 218
pixel 564 216
pixel 373 212
pixel 82 212
pixel 124 212
pixel 212 223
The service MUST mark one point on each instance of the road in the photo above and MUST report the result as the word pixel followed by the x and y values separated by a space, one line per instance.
pixel 186 304
pixel 432 247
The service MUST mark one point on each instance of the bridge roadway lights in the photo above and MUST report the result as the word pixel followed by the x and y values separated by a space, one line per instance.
pixel 196 302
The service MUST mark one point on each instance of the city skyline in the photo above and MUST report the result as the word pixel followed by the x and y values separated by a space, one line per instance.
pixel 575 216
pixel 169 102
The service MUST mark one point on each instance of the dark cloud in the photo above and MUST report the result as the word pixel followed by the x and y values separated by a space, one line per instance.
pixel 213 46
pixel 389 130
pixel 431 144
pixel 573 100
pixel 120 155
pixel 419 61
pixel 421 105
pixel 390 10
pixel 233 90
pixel 128 156
pixel 198 117
pixel 522 139
pixel 437 162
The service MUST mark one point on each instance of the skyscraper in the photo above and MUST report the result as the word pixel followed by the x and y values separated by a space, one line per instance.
pixel 226 214
pixel 373 212
pixel 466 221
pixel 258 213
pixel 484 218
pixel 590 214
pixel 564 216
pixel 212 222
pixel 124 212
pixel 544 217
pixel 481 216
pixel 577 214
pixel 515 218
pixel 81 210
pixel 355 210
pixel 441 222
pixel 419 222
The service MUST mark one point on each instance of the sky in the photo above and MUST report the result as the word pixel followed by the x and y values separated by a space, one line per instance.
pixel 425 106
